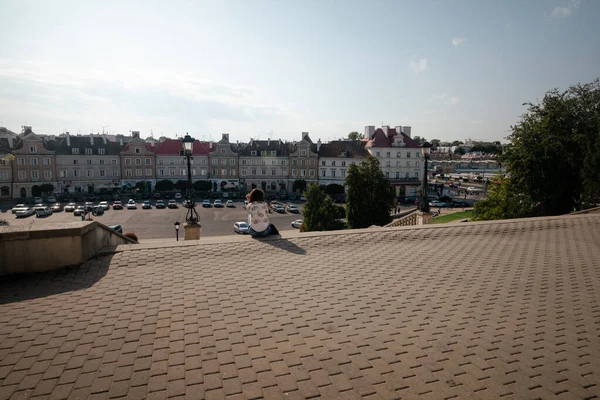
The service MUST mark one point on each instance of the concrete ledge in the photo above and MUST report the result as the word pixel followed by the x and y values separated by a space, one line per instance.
pixel 25 249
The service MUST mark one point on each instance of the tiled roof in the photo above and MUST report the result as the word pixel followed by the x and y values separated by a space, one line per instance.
pixel 4 146
pixel 172 147
pixel 61 147
pixel 353 149
pixel 149 147
pixel 379 139
pixel 282 149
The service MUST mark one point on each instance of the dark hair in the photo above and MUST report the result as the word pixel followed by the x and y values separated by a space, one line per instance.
pixel 256 195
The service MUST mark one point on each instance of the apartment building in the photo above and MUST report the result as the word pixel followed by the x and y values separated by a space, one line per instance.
pixel 34 165
pixel 224 172
pixel 87 164
pixel 399 155
pixel 172 166
pixel 303 160
pixel 138 162
pixel 265 164
pixel 5 169
pixel 336 157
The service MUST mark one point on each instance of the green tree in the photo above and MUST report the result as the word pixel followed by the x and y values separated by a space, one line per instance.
pixel 419 139
pixel 435 143
pixel 165 185
pixel 355 135
pixel 503 202
pixel 299 185
pixel 334 189
pixel 202 186
pixel 460 151
pixel 370 195
pixel 181 185
pixel 320 213
pixel 457 143
pixel 47 188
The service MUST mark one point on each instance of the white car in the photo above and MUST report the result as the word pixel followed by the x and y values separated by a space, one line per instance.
pixel 42 211
pixel 229 204
pixel 70 207
pixel 296 223
pixel 241 227
pixel 293 209
pixel 206 203
pixel 89 206
pixel 178 196
pixel 437 203
pixel 104 204
pixel 131 205
pixel 37 200
pixel 18 207
pixel 24 212
pixel 51 199
pixel 217 203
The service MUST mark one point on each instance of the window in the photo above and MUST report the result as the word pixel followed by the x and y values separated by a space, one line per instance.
pixel 418 154
pixel 47 161
pixel 397 175
pixel 333 163
pixel 243 162
pixel 273 172
pixel 283 162
pixel 89 162
pixel 377 154
pixel 273 162
pixel 294 172
pixel 113 162
pixel 115 172
pixel 387 163
pixel 63 174
pixel 137 151
pixel 160 161
pixel 223 151
pixel 172 162
pixel 417 174
pixel 387 174
pixel 263 153
pixel 20 161
pixel 128 161
pixel 398 154
pixel 283 172
pixel 89 173
pixel 263 171
pixel 76 173
pixel 232 161
pixel 223 172
pixel 273 153
pixel 397 163
pixel 223 161
pixel 74 151
pixel 323 163
pixel 215 161
pixel 102 172
pixel 33 161
pixel 302 152
pixel 47 174
pixel 232 172
pixel 343 173
pixel 22 174
pixel 33 149
pixel 148 171
pixel 303 163
pixel 61 162
pixel 408 163
pixel 75 162
pixel 172 171
pixel 343 163
pixel 88 151
pixel 417 163
pixel 182 171
pixel 253 152
pixel 388 154
pixel 138 172
pixel 101 162
pixel 214 172
pixel 406 175
pixel 101 151
pixel 253 171
pixel 148 161
pixel 203 171
pixel 138 161
pixel 4 176
pixel 263 162
pixel 312 173
pixel 161 172
pixel 243 172
pixel 408 154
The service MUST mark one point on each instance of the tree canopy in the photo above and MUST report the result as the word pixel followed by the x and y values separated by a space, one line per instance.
pixel 355 135
pixel 165 185
pixel 320 214
pixel 553 160
pixel 370 195
pixel 299 185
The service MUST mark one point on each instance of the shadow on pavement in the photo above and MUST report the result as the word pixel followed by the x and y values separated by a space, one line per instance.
pixel 16 288
pixel 284 244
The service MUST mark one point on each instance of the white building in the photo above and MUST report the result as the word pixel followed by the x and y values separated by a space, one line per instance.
pixel 336 156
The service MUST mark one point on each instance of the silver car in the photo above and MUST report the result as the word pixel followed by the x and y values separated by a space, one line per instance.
pixel 23 212
pixel 18 207
pixel 42 211
pixel 241 227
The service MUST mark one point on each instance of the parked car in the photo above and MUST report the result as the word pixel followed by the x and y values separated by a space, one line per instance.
pixel 293 209
pixel 146 205
pixel 156 195
pixel 131 205
pixel 56 207
pixel 241 227
pixel 172 204
pixel 296 223
pixel 178 196
pixel 79 210
pixel 229 204
pixel 218 203
pixel 23 212
pixel 18 207
pixel 117 205
pixel 437 203
pixel 116 228
pixel 98 210
pixel 70 207
pixel 460 203
pixel 37 200
pixel 206 203
pixel 42 211
pixel 105 205
pixel 280 209
pixel 51 199
pixel 160 204
pixel 303 198
pixel 88 206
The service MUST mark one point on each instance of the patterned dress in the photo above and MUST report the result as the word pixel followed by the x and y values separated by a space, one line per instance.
pixel 258 215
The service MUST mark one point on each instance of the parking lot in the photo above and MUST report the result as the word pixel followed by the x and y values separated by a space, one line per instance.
pixel 160 223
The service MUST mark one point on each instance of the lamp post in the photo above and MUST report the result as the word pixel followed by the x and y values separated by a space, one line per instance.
pixel 192 229
pixel 424 204
pixel 177 230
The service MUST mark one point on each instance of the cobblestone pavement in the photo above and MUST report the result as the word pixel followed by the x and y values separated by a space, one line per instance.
pixel 477 311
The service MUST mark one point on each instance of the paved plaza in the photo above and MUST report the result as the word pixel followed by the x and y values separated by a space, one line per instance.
pixel 507 310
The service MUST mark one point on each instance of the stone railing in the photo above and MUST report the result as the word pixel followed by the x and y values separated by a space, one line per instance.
pixel 412 219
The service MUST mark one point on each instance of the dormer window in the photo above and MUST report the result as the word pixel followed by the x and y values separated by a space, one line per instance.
pixel 101 151
pixel 33 149
pixel 137 151
pixel 302 152
pixel 223 151
pixel 74 151
pixel 253 153
pixel 88 151
pixel 273 153
pixel 263 153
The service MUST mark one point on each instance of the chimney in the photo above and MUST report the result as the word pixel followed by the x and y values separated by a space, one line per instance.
pixel 68 138
pixel 226 136
pixel 386 130
pixel 92 139
pixel 369 131
pixel 318 145
pixel 121 141
pixel 104 138
pixel 210 145
pixel 398 129
pixel 268 141
pixel 406 130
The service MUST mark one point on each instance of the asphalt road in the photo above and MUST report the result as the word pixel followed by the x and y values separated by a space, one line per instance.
pixel 158 224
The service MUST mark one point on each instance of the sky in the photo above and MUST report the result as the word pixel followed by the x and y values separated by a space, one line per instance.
pixel 452 70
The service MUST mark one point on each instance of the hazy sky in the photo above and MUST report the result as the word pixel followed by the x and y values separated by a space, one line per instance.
pixel 450 69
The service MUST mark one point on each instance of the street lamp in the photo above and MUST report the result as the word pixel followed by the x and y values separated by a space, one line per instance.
pixel 177 230
pixel 424 204
pixel 192 217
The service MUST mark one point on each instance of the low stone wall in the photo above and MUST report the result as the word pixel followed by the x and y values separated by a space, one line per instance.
pixel 25 249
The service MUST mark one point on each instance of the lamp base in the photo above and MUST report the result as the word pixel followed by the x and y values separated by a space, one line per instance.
pixel 192 231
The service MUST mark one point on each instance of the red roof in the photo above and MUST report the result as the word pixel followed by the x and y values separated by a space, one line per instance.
pixel 148 147
pixel 173 146
pixel 380 139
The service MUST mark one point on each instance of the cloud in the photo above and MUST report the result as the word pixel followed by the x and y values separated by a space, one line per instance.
pixel 565 11
pixel 445 98
pixel 458 41
pixel 419 66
